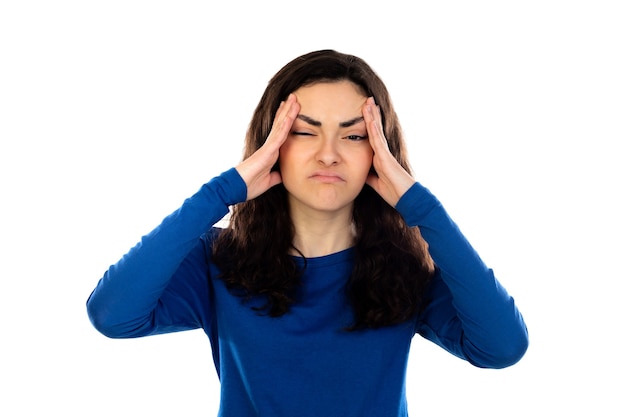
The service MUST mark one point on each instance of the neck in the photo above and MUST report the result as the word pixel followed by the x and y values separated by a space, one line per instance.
pixel 322 235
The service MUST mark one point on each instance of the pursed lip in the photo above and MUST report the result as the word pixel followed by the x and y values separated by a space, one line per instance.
pixel 327 176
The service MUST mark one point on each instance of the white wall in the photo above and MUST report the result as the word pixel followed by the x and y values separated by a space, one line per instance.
pixel 111 113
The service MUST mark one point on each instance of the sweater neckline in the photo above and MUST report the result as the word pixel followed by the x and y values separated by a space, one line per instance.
pixel 326 260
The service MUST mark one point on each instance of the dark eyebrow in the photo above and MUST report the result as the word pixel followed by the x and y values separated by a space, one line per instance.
pixel 351 122
pixel 309 120
pixel 317 123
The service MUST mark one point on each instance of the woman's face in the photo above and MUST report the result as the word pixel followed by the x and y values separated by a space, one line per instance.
pixel 327 157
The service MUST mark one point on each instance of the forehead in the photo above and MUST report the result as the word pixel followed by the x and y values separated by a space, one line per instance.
pixel 330 95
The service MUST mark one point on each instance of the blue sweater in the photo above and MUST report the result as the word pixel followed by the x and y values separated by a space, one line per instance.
pixel 303 363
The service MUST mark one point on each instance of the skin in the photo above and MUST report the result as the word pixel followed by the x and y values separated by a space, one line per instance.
pixel 325 160
pixel 328 136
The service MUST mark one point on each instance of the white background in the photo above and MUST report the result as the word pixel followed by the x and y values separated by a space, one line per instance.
pixel 111 113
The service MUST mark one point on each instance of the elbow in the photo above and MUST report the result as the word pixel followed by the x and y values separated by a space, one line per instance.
pixel 515 348
pixel 107 322
pixel 114 320
pixel 509 351
pixel 100 320
pixel 512 355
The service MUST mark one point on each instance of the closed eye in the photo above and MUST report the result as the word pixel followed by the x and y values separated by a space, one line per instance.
pixel 302 133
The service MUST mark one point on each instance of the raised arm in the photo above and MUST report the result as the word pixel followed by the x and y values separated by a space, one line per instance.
pixel 127 302
pixel 471 315
pixel 153 288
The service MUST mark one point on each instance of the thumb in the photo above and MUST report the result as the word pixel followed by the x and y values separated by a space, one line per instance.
pixel 373 181
pixel 275 178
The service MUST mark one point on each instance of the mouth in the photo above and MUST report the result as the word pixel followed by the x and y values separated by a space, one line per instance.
pixel 326 177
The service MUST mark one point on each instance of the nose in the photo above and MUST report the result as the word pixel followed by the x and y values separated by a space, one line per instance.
pixel 327 153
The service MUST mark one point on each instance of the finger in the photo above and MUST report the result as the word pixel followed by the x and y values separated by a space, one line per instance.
pixel 275 178
pixel 279 113
pixel 285 116
pixel 291 110
pixel 373 122
pixel 373 181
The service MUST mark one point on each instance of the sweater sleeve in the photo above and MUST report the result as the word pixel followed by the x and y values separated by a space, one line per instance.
pixel 470 313
pixel 158 286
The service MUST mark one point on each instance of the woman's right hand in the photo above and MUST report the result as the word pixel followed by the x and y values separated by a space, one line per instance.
pixel 256 169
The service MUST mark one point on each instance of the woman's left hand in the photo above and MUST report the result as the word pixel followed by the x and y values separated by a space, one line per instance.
pixel 390 179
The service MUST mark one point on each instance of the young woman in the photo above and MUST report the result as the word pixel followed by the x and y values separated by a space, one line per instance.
pixel 333 259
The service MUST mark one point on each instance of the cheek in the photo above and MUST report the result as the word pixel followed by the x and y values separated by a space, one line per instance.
pixel 362 166
pixel 283 155
pixel 367 159
pixel 286 158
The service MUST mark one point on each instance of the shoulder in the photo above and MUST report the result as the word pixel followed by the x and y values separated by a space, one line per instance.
pixel 211 236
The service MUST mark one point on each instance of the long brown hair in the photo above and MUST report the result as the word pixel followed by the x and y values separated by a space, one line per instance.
pixel 392 265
